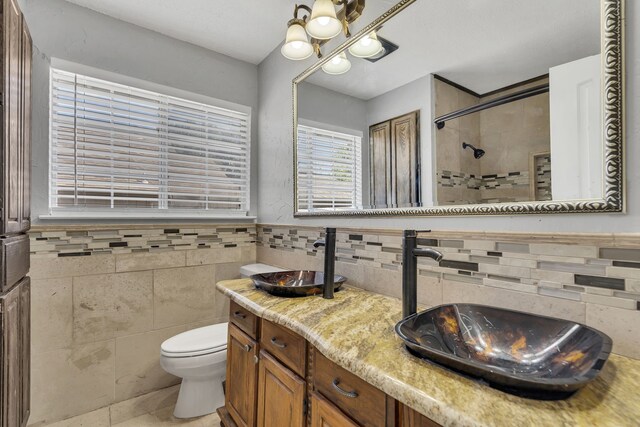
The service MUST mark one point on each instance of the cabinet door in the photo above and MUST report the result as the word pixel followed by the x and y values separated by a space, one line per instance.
pixel 25 215
pixel 25 350
pixel 380 146
pixel 411 418
pixel 324 414
pixel 11 363
pixel 242 376
pixel 12 155
pixel 281 395
pixel 406 160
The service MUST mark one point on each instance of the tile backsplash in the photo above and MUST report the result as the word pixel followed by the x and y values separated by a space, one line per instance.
pixel 105 297
pixel 593 279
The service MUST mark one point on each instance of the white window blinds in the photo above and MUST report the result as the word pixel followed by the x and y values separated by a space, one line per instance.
pixel 329 169
pixel 117 148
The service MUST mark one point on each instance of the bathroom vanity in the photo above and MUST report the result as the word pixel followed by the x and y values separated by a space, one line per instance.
pixel 315 362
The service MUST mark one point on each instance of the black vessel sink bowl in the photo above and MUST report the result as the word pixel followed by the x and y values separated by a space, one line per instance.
pixel 293 284
pixel 529 355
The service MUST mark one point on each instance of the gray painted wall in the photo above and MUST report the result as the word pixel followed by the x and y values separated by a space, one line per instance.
pixel 76 34
pixel 275 152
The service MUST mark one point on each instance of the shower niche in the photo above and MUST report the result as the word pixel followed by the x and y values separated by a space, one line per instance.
pixel 522 117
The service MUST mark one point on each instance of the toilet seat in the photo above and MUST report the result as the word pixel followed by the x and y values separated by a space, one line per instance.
pixel 196 342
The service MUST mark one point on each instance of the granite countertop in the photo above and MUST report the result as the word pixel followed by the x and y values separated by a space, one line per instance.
pixel 355 330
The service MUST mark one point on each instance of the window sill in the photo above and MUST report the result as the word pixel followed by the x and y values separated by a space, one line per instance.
pixel 140 216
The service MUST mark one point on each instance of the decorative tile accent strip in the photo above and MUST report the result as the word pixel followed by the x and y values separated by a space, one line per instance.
pixel 596 273
pixel 128 240
pixel 543 177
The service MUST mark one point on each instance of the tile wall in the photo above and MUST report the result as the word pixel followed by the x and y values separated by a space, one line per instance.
pixel 103 300
pixel 592 279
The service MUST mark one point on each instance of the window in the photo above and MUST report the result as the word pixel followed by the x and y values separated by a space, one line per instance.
pixel 120 150
pixel 329 169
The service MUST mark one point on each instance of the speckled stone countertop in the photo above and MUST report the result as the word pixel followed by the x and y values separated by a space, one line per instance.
pixel 355 330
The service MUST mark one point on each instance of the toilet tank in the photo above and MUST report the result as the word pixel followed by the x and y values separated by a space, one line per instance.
pixel 251 269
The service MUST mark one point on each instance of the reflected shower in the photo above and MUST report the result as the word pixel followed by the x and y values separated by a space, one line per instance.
pixel 477 152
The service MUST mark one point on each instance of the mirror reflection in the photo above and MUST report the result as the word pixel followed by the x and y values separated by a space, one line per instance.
pixel 499 101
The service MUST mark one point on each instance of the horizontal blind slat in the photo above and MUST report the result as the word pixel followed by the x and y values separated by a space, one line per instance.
pixel 119 147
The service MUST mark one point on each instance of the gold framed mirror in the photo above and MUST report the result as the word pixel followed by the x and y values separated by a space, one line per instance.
pixel 449 160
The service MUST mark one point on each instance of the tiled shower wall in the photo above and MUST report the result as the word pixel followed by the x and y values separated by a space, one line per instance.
pixel 592 279
pixel 104 299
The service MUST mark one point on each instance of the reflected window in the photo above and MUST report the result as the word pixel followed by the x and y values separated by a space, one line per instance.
pixel 329 169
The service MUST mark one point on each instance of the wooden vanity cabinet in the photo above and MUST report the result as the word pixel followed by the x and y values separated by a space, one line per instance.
pixel 281 395
pixel 276 379
pixel 242 377
pixel 324 414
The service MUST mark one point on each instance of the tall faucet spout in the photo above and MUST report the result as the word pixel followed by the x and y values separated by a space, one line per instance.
pixel 410 254
pixel 329 243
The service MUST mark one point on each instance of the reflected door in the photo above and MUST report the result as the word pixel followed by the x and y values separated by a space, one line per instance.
pixel 395 162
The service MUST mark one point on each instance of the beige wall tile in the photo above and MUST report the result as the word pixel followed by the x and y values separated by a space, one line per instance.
pixel 111 305
pixel 150 402
pixel 429 291
pixel 184 295
pixel 455 292
pixel 228 271
pixel 383 281
pixel 248 254
pixel 97 418
pixel 49 268
pixel 563 250
pixel 65 383
pixel 137 363
pixel 213 256
pixel 620 324
pixel 149 260
pixel 51 314
pixel 626 273
pixel 505 270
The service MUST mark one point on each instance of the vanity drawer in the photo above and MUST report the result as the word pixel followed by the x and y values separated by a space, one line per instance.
pixel 244 319
pixel 352 395
pixel 14 260
pixel 285 345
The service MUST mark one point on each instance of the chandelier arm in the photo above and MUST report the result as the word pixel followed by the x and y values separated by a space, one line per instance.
pixel 303 7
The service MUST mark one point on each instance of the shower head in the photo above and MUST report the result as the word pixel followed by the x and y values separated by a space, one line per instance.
pixel 477 152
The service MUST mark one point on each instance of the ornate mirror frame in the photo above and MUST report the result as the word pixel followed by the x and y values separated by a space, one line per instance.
pixel 613 90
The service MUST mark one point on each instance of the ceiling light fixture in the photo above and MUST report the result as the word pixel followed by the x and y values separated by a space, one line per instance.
pixel 296 45
pixel 322 23
pixel 339 64
pixel 366 47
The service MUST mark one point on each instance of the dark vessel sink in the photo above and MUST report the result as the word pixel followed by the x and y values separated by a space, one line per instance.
pixel 294 283
pixel 529 355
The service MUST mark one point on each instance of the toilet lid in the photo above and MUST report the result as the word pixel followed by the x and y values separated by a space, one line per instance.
pixel 208 339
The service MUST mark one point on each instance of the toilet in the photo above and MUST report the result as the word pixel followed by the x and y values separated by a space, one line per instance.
pixel 199 357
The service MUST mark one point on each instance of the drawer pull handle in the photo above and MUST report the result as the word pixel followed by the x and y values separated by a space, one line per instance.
pixel 247 348
pixel 275 342
pixel 239 315
pixel 336 385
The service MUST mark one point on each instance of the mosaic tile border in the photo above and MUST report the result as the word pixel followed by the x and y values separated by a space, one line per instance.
pixel 598 273
pixel 74 242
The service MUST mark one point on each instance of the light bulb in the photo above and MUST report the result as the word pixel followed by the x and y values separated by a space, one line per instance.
pixel 366 41
pixel 324 20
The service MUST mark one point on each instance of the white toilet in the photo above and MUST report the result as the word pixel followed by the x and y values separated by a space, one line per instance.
pixel 199 357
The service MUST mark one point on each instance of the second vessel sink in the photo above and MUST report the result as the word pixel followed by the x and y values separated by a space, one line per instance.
pixel 529 355
pixel 294 283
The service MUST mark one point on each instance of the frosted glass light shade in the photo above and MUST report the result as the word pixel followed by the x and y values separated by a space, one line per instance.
pixel 296 45
pixel 323 23
pixel 366 47
pixel 338 65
